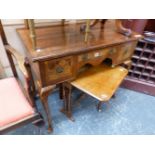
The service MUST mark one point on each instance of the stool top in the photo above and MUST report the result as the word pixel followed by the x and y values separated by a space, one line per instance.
pixel 101 81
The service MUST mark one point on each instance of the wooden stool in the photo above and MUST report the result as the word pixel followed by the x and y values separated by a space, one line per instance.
pixel 100 82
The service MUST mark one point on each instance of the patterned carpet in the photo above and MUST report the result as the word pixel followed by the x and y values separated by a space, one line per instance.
pixel 129 113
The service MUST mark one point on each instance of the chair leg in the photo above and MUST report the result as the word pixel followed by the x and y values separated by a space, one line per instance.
pixel 39 122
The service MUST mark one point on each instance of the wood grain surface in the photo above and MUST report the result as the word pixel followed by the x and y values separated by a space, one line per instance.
pixel 101 81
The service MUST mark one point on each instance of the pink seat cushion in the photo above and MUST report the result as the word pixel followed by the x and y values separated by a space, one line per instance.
pixel 13 104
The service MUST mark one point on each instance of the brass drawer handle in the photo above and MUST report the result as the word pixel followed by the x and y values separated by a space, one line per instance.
pixel 59 69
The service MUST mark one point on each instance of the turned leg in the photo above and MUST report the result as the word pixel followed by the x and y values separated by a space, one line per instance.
pixel 67 109
pixel 68 100
pixel 32 32
pixel 87 30
pixel 61 91
pixel 99 106
pixel 44 93
pixel 114 96
pixel 82 96
pixel 63 95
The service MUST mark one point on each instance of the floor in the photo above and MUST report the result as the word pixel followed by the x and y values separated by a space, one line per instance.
pixel 129 113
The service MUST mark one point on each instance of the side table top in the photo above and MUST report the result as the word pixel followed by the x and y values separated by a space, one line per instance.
pixel 58 41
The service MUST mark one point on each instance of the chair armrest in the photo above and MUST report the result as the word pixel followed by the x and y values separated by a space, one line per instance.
pixel 19 58
pixel 23 63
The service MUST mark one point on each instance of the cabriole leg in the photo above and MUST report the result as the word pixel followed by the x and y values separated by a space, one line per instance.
pixel 44 98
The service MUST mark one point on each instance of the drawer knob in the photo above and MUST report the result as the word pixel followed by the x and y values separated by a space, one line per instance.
pixel 59 69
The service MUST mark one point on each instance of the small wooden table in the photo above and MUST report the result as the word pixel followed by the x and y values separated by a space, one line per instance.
pixel 61 52
pixel 100 82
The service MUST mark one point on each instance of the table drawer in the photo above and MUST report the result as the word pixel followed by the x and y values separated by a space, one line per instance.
pixel 97 54
pixel 125 52
pixel 57 70
pixel 117 54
